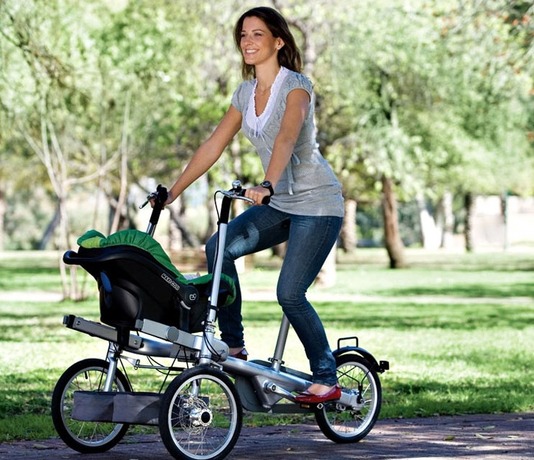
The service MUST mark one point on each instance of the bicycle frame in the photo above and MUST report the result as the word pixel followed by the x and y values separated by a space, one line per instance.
pixel 262 383
pixel 270 380
pixel 92 418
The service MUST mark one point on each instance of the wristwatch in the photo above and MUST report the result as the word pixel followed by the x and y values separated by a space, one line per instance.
pixel 266 184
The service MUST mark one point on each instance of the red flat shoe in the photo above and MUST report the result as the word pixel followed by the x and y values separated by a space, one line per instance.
pixel 309 398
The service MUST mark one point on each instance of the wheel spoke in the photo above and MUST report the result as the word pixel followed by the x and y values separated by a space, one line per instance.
pixel 350 424
pixel 85 436
pixel 200 415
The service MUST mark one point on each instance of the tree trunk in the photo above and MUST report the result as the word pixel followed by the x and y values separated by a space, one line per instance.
pixel 3 208
pixel 211 212
pixel 348 237
pixel 392 239
pixel 49 151
pixel 180 236
pixel 50 230
pixel 469 202
pixel 118 218
pixel 176 235
pixel 446 221
pixel 505 211
pixel 71 288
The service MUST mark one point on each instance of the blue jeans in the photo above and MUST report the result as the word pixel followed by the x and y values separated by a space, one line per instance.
pixel 310 239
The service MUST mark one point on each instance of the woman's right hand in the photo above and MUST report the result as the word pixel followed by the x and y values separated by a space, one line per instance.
pixel 170 198
pixel 162 194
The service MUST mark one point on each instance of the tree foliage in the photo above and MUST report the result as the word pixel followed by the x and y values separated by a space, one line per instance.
pixel 431 95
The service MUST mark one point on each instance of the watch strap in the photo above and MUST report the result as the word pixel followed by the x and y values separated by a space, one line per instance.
pixel 266 184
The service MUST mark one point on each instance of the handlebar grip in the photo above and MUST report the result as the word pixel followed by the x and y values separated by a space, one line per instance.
pixel 162 194
pixel 266 199
pixel 159 201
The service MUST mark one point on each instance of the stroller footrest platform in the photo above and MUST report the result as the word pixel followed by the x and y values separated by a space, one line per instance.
pixel 140 408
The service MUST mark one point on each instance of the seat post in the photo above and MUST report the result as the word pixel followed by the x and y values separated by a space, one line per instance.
pixel 283 332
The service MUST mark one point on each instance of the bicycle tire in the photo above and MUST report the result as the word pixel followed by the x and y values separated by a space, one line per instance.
pixel 343 424
pixel 82 436
pixel 200 415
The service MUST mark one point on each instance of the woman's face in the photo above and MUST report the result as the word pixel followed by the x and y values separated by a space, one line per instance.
pixel 257 42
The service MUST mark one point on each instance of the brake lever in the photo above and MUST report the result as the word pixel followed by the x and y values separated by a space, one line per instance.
pixel 160 193
pixel 237 195
pixel 152 196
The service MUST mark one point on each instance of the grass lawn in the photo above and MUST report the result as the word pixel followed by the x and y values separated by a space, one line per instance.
pixel 457 330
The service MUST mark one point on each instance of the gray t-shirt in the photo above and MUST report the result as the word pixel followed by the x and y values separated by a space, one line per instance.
pixel 308 186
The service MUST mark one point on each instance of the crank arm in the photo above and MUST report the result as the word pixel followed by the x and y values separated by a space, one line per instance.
pixel 271 387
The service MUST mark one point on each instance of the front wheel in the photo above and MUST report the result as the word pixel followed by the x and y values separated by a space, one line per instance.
pixel 200 415
pixel 86 437
pixel 344 424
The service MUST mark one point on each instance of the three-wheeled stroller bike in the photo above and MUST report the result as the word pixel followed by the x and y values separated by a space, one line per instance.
pixel 148 308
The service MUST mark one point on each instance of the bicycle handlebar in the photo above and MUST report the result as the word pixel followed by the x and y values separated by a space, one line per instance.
pixel 237 192
pixel 159 197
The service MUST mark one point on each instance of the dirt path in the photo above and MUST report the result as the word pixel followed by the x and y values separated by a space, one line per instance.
pixel 488 437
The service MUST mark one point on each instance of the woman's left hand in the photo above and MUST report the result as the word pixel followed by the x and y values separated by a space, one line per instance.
pixel 257 193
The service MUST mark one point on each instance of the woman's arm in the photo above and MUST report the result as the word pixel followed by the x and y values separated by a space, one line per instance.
pixel 208 152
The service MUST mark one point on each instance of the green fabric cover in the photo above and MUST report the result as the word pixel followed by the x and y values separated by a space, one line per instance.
pixel 93 239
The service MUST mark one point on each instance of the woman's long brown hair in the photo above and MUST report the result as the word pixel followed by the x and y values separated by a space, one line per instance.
pixel 288 56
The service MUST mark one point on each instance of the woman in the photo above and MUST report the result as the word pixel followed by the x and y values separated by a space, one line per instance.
pixel 274 108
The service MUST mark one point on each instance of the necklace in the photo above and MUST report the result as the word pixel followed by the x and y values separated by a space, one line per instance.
pixel 263 91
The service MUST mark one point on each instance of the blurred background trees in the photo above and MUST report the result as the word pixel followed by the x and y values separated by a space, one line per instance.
pixel 421 106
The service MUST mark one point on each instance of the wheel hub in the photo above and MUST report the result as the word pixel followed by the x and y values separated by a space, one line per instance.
pixel 194 414
pixel 201 417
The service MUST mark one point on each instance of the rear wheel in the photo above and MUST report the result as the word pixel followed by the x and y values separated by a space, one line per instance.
pixel 200 415
pixel 86 437
pixel 344 424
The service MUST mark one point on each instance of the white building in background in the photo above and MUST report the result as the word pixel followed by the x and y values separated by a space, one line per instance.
pixel 508 227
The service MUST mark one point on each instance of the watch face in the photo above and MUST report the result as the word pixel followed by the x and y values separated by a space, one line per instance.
pixel 266 184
